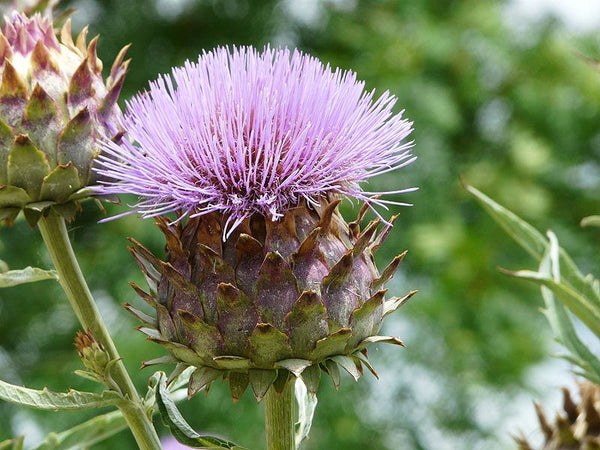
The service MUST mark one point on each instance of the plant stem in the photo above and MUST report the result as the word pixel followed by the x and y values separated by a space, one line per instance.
pixel 54 232
pixel 279 418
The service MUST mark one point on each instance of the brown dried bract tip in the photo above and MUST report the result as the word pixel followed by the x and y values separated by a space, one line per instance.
pixel 84 340
pixel 576 427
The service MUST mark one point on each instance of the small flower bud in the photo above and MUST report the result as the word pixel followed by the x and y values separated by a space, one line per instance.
pixel 92 354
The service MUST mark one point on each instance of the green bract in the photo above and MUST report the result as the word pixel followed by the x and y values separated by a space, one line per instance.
pixel 301 295
pixel 54 105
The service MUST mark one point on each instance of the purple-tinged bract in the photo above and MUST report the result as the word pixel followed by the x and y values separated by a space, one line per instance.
pixel 243 132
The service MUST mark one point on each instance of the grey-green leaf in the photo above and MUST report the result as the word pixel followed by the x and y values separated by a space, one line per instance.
pixel 53 401
pixel 525 235
pixel 535 244
pixel 26 275
pixel 85 434
pixel 179 428
pixel 559 318
pixel 581 306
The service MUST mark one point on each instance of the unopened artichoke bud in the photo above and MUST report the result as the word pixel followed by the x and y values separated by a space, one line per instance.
pixel 262 278
pixel 54 105
pixel 93 355
pixel 576 427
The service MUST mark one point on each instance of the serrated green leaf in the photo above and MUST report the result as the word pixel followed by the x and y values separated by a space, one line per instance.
pixel 524 234
pixel 53 401
pixel 85 434
pixel 557 276
pixel 307 403
pixel 102 427
pixel 590 221
pixel 26 275
pixel 178 426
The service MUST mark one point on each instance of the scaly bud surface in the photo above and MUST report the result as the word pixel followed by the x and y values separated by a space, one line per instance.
pixel 298 295
pixel 54 105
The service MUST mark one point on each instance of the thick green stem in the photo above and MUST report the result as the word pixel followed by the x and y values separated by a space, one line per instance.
pixel 54 232
pixel 279 418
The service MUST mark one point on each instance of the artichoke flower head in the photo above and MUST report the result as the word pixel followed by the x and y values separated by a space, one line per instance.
pixel 54 105
pixel 263 278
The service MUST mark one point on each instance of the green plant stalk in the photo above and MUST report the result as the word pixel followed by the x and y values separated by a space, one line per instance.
pixel 54 233
pixel 279 418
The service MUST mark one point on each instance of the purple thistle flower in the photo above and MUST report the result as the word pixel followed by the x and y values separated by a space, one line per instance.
pixel 242 132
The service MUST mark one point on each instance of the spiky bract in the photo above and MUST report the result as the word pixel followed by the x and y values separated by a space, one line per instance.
pixel 243 132
pixel 54 105
pixel 299 295
pixel 576 427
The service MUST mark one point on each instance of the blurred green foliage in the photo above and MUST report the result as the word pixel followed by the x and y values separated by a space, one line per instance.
pixel 512 108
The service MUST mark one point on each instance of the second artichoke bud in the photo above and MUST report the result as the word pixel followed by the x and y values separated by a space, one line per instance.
pixel 54 106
